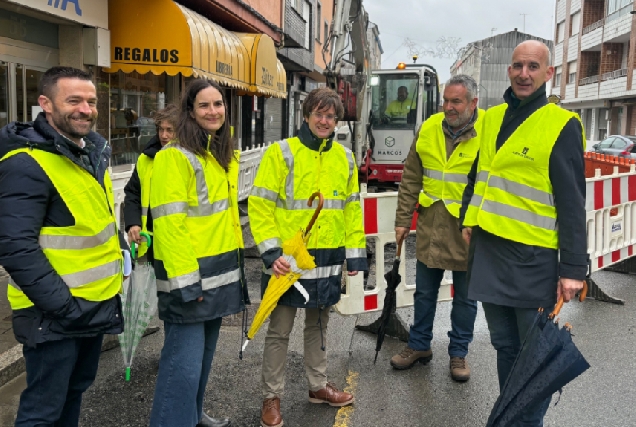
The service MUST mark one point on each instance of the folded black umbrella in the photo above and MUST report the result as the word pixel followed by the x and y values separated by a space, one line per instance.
pixel 393 279
pixel 548 360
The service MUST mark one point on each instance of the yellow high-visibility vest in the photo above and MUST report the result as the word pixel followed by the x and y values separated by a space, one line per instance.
pixel 86 255
pixel 144 171
pixel 444 179
pixel 513 196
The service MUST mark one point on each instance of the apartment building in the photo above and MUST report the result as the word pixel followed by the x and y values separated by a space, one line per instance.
pixel 594 64
pixel 487 61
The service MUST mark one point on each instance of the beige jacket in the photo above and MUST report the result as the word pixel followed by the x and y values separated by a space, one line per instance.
pixel 439 241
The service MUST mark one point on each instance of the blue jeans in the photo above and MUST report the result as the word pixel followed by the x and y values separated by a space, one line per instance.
pixel 58 372
pixel 508 327
pixel 186 360
pixel 463 312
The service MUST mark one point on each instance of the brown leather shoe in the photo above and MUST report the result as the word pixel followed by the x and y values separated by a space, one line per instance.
pixel 270 413
pixel 459 369
pixel 331 395
pixel 409 357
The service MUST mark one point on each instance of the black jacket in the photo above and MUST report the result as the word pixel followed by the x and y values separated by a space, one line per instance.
pixel 132 201
pixel 513 274
pixel 30 202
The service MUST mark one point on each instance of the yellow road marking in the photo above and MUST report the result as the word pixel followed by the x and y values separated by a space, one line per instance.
pixel 346 412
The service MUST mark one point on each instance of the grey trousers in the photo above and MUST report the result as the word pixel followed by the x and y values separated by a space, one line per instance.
pixel 276 344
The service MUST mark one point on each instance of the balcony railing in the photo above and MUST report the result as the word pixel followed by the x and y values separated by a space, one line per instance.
pixel 614 74
pixel 588 80
pixel 594 26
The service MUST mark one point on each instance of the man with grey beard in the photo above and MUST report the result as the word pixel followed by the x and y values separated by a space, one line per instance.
pixel 435 175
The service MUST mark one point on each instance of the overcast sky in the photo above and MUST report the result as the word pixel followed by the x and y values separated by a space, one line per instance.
pixel 425 21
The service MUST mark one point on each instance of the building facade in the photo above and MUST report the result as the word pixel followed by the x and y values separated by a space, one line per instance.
pixel 487 62
pixel 375 46
pixel 594 64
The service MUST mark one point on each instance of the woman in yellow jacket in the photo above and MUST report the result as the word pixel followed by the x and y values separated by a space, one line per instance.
pixel 198 251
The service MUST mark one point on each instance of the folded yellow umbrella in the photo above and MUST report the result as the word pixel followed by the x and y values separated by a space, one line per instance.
pixel 296 254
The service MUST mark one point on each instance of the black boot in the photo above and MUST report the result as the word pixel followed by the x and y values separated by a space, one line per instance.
pixel 207 421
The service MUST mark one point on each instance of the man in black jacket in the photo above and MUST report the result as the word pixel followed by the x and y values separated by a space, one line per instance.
pixel 61 333
pixel 510 278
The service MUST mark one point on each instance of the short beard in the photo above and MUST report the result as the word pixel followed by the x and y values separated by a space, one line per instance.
pixel 62 123
pixel 461 120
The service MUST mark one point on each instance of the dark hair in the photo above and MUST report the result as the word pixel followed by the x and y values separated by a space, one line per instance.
pixel 49 79
pixel 169 114
pixel 192 137
pixel 323 99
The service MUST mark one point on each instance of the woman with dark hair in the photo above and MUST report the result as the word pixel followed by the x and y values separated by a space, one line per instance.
pixel 198 252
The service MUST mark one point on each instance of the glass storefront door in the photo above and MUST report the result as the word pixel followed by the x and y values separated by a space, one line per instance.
pixel 19 92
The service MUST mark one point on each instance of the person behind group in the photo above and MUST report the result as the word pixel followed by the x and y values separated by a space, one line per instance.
pixel 435 176
pixel 523 210
pixel 137 216
pixel 60 244
pixel 290 172
pixel 198 250
pixel 398 110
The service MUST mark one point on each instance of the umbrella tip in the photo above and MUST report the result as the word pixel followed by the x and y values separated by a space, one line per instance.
pixel 376 357
pixel 127 373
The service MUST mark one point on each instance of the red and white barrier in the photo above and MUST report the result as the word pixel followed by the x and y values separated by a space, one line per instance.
pixel 378 211
pixel 611 217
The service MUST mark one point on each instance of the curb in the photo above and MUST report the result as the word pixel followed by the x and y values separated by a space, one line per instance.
pixel 11 364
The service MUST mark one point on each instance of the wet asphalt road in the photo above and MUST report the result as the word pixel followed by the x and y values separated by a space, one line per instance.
pixel 421 397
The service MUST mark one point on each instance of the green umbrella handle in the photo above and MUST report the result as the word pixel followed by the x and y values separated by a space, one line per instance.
pixel 133 250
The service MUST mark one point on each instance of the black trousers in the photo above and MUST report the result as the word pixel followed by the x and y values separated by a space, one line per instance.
pixel 58 372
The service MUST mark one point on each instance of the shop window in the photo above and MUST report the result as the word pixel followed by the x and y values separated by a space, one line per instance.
pixel 134 99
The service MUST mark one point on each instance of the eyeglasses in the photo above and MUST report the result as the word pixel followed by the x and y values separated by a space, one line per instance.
pixel 328 117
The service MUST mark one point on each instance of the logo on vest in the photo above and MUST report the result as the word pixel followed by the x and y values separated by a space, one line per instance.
pixel 465 156
pixel 389 141
pixel 524 154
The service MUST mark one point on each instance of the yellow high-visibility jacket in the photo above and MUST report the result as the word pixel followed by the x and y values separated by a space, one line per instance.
pixel 513 196
pixel 198 244
pixel 86 255
pixel 289 174
pixel 444 179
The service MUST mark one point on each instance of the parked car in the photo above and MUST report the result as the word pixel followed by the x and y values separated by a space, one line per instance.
pixel 617 145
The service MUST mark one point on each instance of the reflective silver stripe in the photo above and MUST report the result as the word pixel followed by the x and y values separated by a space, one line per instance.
pixel 169 209
pixel 351 164
pixel 430 196
pixel 264 193
pixel 323 272
pixel 356 253
pixel 75 280
pixel 316 273
pixel 354 197
pixel 220 280
pixel 519 215
pixel 289 161
pixel 178 282
pixel 207 210
pixel 475 200
pixel 299 205
pixel 521 190
pixel 144 211
pixel 459 178
pixel 482 176
pixel 449 201
pixel 433 174
pixel 268 244
pixel 77 242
